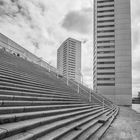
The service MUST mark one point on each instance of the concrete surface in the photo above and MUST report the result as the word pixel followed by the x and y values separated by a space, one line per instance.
pixel 125 127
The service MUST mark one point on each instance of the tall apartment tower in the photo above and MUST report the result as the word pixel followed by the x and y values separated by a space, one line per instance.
pixel 69 59
pixel 112 75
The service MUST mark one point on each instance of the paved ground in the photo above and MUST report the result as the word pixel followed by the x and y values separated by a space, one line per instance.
pixel 125 127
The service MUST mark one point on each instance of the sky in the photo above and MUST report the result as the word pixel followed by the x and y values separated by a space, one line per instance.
pixel 41 26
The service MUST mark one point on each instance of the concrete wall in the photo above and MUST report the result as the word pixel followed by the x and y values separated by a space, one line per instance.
pixel 123 66
pixel 14 48
pixel 121 91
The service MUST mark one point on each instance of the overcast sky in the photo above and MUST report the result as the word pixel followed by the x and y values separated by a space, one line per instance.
pixel 42 25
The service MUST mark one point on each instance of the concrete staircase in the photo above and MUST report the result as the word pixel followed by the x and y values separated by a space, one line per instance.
pixel 35 104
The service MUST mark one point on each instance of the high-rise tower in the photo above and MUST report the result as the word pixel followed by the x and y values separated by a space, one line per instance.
pixel 69 59
pixel 112 75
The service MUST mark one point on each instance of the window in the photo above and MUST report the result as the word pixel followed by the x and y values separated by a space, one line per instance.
pixel 106 62
pixel 106 36
pixel 104 16
pixel 110 79
pixel 105 68
pixel 105 57
pixel 106 73
pixel 103 52
pixel 106 41
pixel 105 26
pixel 104 1
pixel 106 31
pixel 104 21
pixel 104 6
pixel 104 11
pixel 103 47
pixel 105 84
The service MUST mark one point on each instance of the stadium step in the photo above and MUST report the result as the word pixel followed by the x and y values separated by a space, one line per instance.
pixel 4 103
pixel 16 127
pixel 30 98
pixel 23 93
pixel 20 109
pixel 73 128
pixel 99 134
pixel 8 118
pixel 35 104
pixel 41 126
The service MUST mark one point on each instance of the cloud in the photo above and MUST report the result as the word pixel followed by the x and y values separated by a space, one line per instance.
pixel 37 26
pixel 1 3
pixel 78 21
pixel 41 26
pixel 20 17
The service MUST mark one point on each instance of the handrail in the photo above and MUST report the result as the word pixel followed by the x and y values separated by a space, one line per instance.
pixel 101 101
pixel 25 54
pixel 78 85
pixel 101 96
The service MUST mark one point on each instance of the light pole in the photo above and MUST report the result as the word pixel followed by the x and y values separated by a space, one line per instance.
pixel 67 79
pixel 81 77
pixel 77 74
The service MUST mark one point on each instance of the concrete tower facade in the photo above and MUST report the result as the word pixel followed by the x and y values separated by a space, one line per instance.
pixel 69 59
pixel 112 75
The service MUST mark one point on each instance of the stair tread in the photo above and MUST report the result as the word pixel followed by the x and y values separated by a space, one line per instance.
pixel 34 103
pixel 90 131
pixel 33 98
pixel 37 101
pixel 23 93
pixel 43 106
pixel 30 121
pixel 46 128
pixel 55 134
pixel 19 109
pixel 30 87
pixel 100 133
pixel 73 134
pixel 14 115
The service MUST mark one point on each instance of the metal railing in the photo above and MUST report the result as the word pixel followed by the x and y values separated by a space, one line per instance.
pixel 86 92
pixel 82 89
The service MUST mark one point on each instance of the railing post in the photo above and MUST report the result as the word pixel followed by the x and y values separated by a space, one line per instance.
pixel 90 96
pixel 67 81
pixel 103 105
pixel 78 88
pixel 90 90
pixel 112 110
